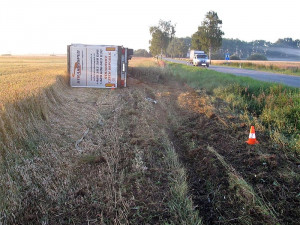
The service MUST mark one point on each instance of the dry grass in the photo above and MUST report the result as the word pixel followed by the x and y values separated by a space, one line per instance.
pixel 287 67
pixel 21 77
pixel 275 64
pixel 26 85
pixel 143 62
pixel 118 173
pixel 40 120
pixel 280 64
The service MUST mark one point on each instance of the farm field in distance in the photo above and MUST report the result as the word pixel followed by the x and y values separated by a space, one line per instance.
pixel 168 149
pixel 284 67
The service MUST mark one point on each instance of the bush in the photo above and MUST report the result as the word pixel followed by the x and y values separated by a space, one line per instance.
pixel 217 56
pixel 234 57
pixel 257 57
pixel 141 53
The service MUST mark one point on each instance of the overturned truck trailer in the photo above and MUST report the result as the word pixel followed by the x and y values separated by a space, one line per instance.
pixel 98 66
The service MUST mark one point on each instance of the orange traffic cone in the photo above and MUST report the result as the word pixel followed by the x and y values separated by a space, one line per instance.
pixel 252 139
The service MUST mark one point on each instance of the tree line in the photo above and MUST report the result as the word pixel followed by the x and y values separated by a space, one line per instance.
pixel 209 38
pixel 285 48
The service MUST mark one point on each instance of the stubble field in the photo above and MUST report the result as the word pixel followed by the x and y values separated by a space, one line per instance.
pixel 284 67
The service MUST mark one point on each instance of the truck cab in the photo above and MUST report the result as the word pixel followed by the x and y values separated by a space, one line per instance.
pixel 200 60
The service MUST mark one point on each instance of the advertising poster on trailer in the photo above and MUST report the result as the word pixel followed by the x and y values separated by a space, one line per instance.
pixel 93 66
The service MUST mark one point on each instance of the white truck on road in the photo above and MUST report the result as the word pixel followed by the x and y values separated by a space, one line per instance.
pixel 199 58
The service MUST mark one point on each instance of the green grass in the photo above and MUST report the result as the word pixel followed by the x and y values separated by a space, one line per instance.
pixel 180 203
pixel 276 106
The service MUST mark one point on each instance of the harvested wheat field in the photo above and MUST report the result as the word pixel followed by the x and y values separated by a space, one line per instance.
pixel 285 67
pixel 156 152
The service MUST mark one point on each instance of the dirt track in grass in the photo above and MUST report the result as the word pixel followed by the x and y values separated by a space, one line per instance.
pixel 230 181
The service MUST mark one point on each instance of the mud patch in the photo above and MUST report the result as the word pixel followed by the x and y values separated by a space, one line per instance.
pixel 235 183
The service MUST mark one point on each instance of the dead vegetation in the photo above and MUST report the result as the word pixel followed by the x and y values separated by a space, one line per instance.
pixel 90 156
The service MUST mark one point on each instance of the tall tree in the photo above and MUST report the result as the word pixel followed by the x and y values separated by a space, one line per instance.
pixel 158 42
pixel 177 47
pixel 161 37
pixel 187 42
pixel 141 53
pixel 287 43
pixel 209 34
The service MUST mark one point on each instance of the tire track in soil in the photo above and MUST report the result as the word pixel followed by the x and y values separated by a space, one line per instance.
pixel 256 191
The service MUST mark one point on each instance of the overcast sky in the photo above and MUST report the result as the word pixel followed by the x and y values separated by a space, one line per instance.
pixel 48 26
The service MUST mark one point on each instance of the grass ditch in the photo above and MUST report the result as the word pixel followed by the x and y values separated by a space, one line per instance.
pixel 179 203
pixel 277 107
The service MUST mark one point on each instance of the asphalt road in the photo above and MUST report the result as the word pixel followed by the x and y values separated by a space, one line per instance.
pixel 293 81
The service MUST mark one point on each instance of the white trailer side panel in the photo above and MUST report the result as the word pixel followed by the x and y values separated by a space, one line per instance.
pixel 93 66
